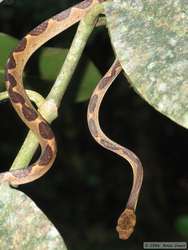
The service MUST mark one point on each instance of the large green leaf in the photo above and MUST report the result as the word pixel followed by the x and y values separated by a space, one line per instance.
pixel 150 39
pixel 23 225
pixel 50 63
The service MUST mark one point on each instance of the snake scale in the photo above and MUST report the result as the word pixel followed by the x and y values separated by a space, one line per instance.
pixel 34 121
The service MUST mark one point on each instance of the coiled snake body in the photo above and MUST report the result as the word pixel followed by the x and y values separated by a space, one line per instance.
pixel 32 118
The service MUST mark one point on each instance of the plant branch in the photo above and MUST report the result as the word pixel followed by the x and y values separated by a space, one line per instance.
pixel 49 108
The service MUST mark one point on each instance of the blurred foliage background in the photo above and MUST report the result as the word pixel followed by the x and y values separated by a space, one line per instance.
pixel 87 188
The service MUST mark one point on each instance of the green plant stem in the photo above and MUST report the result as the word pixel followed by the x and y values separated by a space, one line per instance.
pixel 49 108
pixel 83 32
pixel 34 96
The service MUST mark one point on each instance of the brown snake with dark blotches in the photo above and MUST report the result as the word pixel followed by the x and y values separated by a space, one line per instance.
pixel 127 220
pixel 34 121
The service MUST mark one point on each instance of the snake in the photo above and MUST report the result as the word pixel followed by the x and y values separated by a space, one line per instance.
pixel 127 219
pixel 39 126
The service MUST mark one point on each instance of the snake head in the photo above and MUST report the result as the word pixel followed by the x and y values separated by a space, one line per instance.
pixel 126 224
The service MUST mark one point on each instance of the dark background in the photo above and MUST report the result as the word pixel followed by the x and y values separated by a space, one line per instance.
pixel 87 188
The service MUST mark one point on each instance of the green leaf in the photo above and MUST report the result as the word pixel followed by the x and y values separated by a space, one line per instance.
pixel 23 225
pixel 7 44
pixel 181 225
pixel 50 63
pixel 90 78
pixel 150 39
